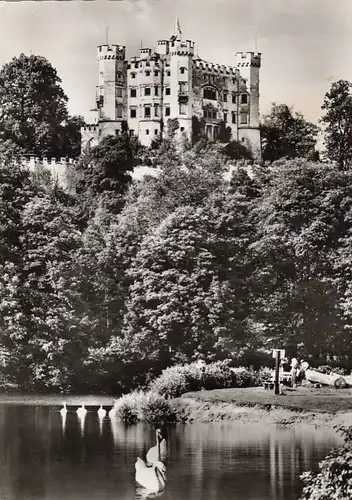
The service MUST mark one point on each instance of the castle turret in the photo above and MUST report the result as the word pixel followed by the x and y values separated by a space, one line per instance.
pixel 248 63
pixel 181 53
pixel 111 89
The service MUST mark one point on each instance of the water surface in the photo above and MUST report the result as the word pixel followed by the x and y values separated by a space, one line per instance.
pixel 40 459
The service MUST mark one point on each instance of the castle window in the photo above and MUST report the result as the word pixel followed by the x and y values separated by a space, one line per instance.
pixel 118 111
pixel 118 91
pixel 209 93
pixel 233 98
pixel 147 73
pixel 244 99
pixel 167 111
pixel 147 131
pixel 182 129
pixel 183 108
pixel 147 112
pixel 167 91
pixel 133 112
pixel 147 91
pixel 117 132
pixel 147 63
pixel 156 109
pixel 225 117
pixel 133 92
pixel 210 113
pixel 131 132
pixel 244 118
pixel 136 65
pixel 182 70
pixel 182 86
pixel 233 117
pixel 156 90
pixel 225 97
pixel 156 131
pixel 156 73
pixel 133 75
pixel 168 73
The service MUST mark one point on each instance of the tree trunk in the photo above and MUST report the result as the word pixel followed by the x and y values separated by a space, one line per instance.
pixel 324 379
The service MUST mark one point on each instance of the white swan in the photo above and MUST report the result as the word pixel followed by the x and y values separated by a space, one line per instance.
pixel 82 411
pixel 151 477
pixel 63 410
pixel 112 412
pixel 101 412
pixel 159 451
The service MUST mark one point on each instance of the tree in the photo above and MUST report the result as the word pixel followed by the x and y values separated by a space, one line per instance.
pixel 70 137
pixel 104 174
pixel 286 133
pixel 338 123
pixel 225 132
pixel 300 219
pixel 334 478
pixel 237 151
pixel 33 104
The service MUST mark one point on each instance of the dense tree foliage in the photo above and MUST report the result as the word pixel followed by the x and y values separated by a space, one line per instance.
pixel 286 133
pixel 337 120
pixel 211 257
pixel 34 109
pixel 334 479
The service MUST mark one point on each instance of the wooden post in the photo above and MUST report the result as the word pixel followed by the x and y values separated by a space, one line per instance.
pixel 277 370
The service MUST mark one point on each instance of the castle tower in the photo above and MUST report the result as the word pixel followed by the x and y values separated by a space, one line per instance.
pixel 181 53
pixel 249 64
pixel 111 90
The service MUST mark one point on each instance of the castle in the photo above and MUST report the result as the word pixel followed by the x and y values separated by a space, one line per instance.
pixel 172 82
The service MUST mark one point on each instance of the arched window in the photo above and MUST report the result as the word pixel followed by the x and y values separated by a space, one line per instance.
pixel 209 93
pixel 183 70
pixel 133 75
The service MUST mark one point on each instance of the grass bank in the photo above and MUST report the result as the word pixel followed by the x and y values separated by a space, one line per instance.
pixel 317 407
pixel 304 405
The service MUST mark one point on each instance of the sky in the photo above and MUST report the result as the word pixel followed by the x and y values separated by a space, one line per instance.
pixel 305 44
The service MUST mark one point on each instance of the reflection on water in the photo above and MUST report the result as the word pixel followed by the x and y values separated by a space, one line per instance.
pixel 45 456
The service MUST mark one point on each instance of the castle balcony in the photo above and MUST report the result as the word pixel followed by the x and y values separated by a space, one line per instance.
pixel 183 96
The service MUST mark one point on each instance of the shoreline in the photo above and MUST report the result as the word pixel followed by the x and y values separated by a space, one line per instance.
pixel 307 407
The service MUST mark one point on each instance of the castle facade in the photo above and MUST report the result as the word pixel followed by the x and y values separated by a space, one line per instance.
pixel 172 82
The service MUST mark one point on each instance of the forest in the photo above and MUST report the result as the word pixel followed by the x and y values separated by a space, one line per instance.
pixel 103 287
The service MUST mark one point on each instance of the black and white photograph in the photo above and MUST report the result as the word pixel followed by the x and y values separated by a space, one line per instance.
pixel 176 250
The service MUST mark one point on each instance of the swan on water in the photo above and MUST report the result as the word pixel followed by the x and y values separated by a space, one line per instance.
pixel 159 451
pixel 151 476
pixel 101 412
pixel 82 411
pixel 63 410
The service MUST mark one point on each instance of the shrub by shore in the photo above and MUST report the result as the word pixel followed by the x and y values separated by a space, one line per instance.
pixel 229 395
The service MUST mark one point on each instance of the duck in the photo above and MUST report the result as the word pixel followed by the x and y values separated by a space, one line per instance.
pixel 159 451
pixel 151 476
pixel 82 411
pixel 101 412
pixel 63 410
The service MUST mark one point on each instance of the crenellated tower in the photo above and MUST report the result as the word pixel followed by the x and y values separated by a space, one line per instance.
pixel 249 64
pixel 111 88
pixel 181 54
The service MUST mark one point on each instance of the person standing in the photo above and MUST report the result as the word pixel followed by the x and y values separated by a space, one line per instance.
pixel 294 366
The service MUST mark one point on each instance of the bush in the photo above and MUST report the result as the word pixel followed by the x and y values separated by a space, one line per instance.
pixel 147 407
pixel 334 479
pixel 177 380
pixel 126 408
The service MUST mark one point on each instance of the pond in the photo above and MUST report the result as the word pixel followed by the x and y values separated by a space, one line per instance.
pixel 91 459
